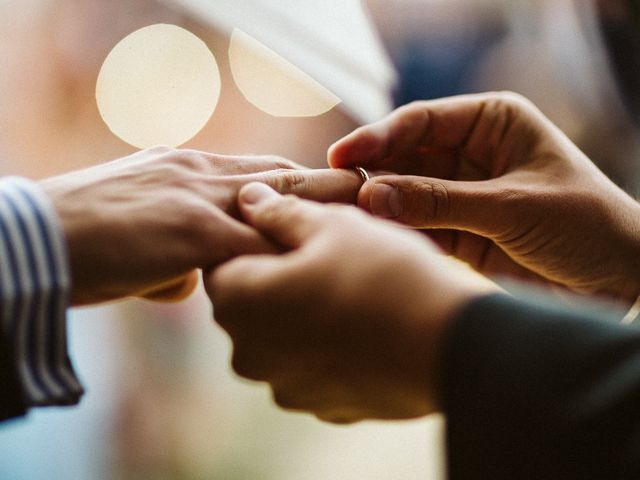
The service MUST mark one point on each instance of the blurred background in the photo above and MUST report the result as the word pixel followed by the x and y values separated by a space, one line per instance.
pixel 161 400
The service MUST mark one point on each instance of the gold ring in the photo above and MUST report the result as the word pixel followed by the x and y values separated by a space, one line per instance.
pixel 363 174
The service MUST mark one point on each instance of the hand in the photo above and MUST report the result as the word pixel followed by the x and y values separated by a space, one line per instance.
pixel 142 224
pixel 347 323
pixel 511 192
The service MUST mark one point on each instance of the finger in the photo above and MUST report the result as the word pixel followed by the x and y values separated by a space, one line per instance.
pixel 286 219
pixel 242 288
pixel 232 164
pixel 227 238
pixel 239 277
pixel 425 202
pixel 488 128
pixel 174 290
pixel 236 165
pixel 320 185
pixel 444 123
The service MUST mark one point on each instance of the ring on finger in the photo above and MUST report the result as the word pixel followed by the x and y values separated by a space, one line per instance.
pixel 364 175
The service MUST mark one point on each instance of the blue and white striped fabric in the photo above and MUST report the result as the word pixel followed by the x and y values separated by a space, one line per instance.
pixel 34 290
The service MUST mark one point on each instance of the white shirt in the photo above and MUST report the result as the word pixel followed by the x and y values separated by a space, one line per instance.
pixel 333 41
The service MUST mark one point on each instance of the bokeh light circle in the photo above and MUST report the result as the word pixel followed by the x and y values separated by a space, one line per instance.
pixel 272 83
pixel 158 86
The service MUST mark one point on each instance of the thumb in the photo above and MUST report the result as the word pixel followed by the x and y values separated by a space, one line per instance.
pixel 425 202
pixel 286 219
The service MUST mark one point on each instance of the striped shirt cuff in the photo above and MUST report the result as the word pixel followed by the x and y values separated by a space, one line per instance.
pixel 35 286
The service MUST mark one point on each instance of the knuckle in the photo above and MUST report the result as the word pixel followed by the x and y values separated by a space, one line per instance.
pixel 281 162
pixel 507 112
pixel 199 216
pixel 415 107
pixel 415 113
pixel 511 100
pixel 287 181
pixel 434 200
pixel 171 171
pixel 161 150
pixel 192 160
pixel 182 161
pixel 441 200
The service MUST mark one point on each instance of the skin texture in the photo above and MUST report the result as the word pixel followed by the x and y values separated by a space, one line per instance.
pixel 141 225
pixel 500 187
pixel 346 323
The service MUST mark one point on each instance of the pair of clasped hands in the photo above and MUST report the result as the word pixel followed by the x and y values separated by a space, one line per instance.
pixel 343 313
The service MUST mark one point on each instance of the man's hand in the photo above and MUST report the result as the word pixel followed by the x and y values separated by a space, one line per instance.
pixel 142 224
pixel 347 323
pixel 511 192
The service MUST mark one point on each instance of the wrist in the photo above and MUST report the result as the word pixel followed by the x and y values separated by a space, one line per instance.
pixel 435 314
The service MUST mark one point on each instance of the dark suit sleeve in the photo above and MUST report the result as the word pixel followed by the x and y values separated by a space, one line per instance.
pixel 534 391
pixel 11 402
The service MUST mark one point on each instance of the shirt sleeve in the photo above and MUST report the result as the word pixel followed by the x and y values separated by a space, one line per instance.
pixel 534 390
pixel 34 290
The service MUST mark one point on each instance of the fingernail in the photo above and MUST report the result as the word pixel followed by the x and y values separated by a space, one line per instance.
pixel 255 192
pixel 385 201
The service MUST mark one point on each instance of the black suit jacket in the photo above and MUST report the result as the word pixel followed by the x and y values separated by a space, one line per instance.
pixel 11 401
pixel 533 391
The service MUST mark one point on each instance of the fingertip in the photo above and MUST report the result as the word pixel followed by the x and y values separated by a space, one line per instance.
pixel 358 148
pixel 254 193
pixel 385 201
pixel 335 157
pixel 382 197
